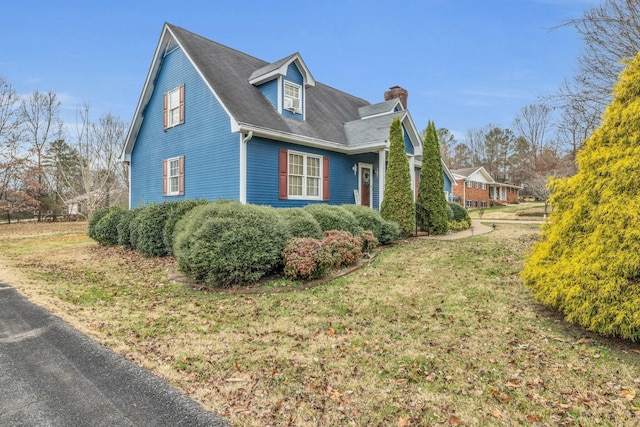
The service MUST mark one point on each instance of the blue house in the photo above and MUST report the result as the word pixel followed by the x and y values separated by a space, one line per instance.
pixel 216 123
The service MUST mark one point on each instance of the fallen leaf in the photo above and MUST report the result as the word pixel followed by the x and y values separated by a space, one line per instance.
pixel 454 421
pixel 496 414
pixel 331 331
pixel 534 418
pixel 403 422
pixel 628 394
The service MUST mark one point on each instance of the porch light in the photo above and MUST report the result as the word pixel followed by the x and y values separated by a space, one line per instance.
pixel 354 168
pixel 375 171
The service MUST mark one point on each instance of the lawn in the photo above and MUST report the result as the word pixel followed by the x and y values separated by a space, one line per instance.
pixel 430 332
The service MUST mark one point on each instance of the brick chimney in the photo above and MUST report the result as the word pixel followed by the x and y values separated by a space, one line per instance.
pixel 396 92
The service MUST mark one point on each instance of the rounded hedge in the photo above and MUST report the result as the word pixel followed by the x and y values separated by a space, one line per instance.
pixel 369 219
pixel 459 212
pixel 149 226
pixel 176 211
pixel 105 231
pixel 93 221
pixel 332 217
pixel 225 243
pixel 389 233
pixel 124 228
pixel 301 223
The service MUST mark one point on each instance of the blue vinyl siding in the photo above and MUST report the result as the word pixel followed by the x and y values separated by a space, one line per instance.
pixel 210 150
pixel 270 91
pixel 408 146
pixel 447 185
pixel 262 174
pixel 294 76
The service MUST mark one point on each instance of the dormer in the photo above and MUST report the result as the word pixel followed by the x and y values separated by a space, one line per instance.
pixel 284 84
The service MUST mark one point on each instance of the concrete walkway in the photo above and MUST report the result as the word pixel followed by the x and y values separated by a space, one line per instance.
pixel 481 226
pixel 53 375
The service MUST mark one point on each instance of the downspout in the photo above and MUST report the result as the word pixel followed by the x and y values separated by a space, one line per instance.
pixel 244 139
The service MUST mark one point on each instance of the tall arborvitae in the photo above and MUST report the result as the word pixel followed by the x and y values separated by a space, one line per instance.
pixel 432 206
pixel 397 204
pixel 588 263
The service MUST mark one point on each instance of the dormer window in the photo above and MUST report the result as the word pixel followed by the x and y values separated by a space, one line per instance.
pixel 292 98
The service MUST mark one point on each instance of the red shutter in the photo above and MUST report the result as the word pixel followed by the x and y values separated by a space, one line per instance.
pixel 165 114
pixel 325 178
pixel 283 174
pixel 181 176
pixel 181 104
pixel 164 177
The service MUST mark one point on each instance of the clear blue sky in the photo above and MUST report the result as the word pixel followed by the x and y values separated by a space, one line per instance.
pixel 465 63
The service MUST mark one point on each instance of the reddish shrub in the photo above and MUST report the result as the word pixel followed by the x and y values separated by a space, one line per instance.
pixel 368 241
pixel 343 247
pixel 306 258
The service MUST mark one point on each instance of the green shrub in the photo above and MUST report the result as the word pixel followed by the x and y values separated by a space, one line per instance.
pixel 389 233
pixel 450 216
pixel 301 223
pixel 368 219
pixel 93 221
pixel 306 258
pixel 332 217
pixel 224 243
pixel 175 212
pixel 124 228
pixel 397 204
pixel 344 248
pixel 459 212
pixel 149 225
pixel 459 225
pixel 106 230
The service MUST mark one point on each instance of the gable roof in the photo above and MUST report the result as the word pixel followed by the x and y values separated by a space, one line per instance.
pixel 279 68
pixel 468 172
pixel 228 72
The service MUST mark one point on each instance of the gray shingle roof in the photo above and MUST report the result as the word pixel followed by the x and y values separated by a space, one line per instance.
pixel 228 71
pixel 380 108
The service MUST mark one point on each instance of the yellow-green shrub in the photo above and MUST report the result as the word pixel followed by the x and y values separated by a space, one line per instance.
pixel 588 262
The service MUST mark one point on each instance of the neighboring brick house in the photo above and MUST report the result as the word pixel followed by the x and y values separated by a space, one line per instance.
pixel 477 189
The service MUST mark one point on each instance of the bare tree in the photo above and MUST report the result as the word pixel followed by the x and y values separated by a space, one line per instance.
pixel 91 172
pixel 611 33
pixel 532 123
pixel 40 122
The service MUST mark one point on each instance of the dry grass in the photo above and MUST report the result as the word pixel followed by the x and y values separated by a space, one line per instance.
pixel 432 332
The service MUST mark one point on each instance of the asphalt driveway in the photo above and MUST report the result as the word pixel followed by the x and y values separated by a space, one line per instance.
pixel 53 375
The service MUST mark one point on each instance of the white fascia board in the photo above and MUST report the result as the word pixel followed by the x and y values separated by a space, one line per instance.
pixel 282 71
pixel 145 95
pixel 417 148
pixel 308 141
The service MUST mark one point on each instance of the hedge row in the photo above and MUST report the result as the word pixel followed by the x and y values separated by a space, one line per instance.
pixel 226 242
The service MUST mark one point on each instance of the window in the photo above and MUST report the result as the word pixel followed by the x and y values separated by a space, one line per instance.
pixel 173 176
pixel 483 204
pixel 469 203
pixel 174 107
pixel 292 97
pixel 304 176
pixel 469 184
pixel 484 186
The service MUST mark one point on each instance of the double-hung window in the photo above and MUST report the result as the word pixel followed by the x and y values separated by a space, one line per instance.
pixel 304 176
pixel 173 176
pixel 174 107
pixel 292 97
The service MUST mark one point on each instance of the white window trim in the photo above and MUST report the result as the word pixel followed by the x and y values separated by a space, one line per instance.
pixel 370 167
pixel 169 176
pixel 170 122
pixel 285 97
pixel 305 176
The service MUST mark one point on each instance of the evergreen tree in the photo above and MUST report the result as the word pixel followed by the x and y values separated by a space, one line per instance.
pixel 397 204
pixel 432 206
pixel 588 262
